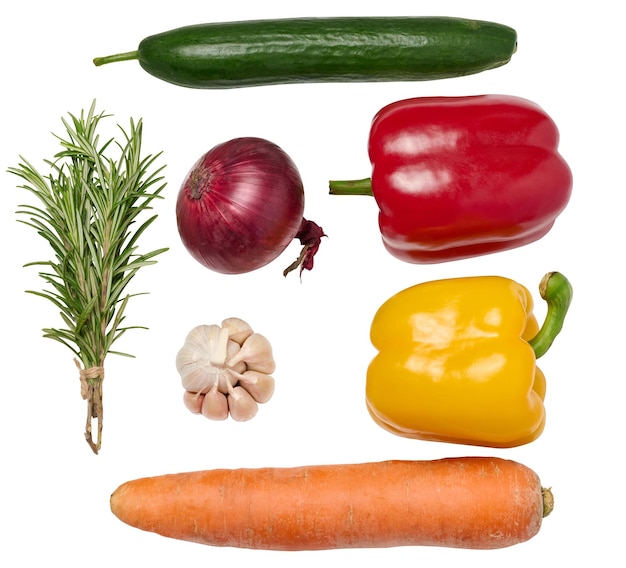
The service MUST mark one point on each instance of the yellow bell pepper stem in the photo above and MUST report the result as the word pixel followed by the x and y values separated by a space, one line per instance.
pixel 556 290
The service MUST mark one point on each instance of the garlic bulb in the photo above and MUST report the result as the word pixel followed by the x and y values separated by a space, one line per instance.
pixel 226 370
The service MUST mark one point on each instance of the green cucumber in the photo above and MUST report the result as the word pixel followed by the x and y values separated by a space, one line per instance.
pixel 322 50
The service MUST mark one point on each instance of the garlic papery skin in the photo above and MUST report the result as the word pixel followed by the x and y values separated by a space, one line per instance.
pixel 226 370
pixel 201 362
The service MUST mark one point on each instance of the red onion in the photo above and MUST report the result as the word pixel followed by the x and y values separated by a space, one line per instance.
pixel 241 205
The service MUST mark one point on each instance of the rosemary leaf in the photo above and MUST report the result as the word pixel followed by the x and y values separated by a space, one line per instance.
pixel 91 204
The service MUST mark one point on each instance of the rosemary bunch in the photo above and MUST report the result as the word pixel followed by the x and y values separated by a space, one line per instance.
pixel 89 213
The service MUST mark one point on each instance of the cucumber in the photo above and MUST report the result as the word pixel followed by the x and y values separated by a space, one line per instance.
pixel 322 50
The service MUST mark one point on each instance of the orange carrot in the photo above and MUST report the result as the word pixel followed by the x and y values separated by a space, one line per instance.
pixel 473 502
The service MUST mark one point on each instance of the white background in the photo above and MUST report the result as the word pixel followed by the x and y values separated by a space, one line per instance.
pixel 55 490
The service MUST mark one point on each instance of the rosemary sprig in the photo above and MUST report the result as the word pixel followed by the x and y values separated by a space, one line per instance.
pixel 89 212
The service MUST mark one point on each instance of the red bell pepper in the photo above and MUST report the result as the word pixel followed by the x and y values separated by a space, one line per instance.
pixel 457 177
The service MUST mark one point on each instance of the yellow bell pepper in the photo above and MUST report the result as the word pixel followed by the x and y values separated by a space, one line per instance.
pixel 456 360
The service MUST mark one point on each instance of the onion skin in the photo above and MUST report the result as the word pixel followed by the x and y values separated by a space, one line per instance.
pixel 240 205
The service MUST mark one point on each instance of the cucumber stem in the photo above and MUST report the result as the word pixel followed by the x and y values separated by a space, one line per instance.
pixel 351 187
pixel 556 290
pixel 117 57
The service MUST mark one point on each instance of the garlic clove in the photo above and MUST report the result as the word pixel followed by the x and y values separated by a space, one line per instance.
pixel 241 405
pixel 215 405
pixel 259 385
pixel 232 361
pixel 256 353
pixel 193 401
pixel 238 329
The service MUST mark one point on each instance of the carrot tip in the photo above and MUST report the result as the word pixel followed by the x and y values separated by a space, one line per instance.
pixel 548 501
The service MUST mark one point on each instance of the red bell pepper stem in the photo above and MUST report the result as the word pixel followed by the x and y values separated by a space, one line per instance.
pixel 351 187
pixel 556 290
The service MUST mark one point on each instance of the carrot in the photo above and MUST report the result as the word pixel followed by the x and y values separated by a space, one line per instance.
pixel 473 502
